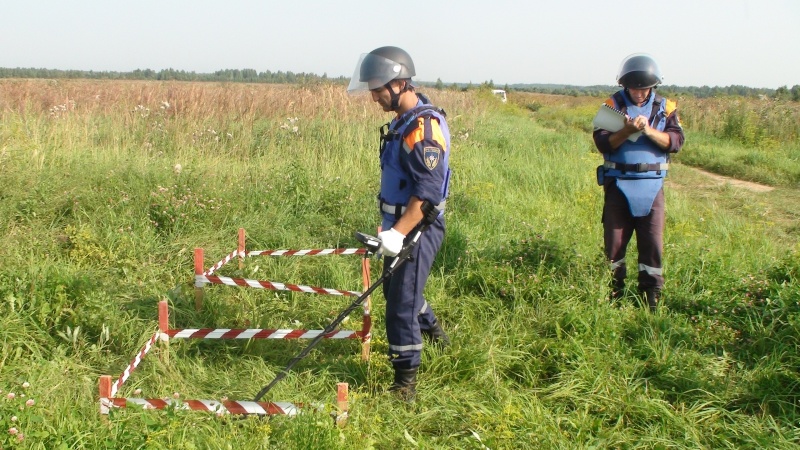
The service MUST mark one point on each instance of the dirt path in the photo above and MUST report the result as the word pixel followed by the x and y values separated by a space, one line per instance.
pixel 721 180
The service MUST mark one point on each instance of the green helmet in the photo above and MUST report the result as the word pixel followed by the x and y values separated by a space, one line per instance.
pixel 639 71
pixel 380 66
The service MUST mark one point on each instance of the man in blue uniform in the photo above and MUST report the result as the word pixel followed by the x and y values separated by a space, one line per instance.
pixel 414 155
pixel 632 175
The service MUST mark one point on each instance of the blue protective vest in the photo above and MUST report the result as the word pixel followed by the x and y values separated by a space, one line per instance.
pixel 643 150
pixel 640 187
pixel 396 182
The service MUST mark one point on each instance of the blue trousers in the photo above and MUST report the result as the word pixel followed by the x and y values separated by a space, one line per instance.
pixel 407 311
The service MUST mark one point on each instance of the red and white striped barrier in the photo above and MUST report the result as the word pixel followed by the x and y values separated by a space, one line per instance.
pixel 318 252
pixel 315 252
pixel 224 261
pixel 108 390
pixel 136 360
pixel 242 253
pixel 242 333
pixel 215 406
pixel 204 276
pixel 200 280
pixel 256 333
pixel 220 407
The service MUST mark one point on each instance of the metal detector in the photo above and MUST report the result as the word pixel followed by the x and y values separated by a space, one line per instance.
pixel 373 244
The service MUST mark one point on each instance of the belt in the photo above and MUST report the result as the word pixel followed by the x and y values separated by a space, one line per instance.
pixel 392 209
pixel 641 167
pixel 388 208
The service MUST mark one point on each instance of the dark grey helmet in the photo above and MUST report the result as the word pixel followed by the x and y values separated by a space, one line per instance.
pixel 639 71
pixel 380 66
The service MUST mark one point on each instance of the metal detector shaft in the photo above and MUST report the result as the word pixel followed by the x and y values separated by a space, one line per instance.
pixel 430 215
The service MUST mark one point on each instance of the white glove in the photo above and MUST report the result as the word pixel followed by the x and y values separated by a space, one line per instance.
pixel 391 242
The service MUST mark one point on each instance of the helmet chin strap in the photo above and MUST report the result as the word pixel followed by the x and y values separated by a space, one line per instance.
pixel 395 96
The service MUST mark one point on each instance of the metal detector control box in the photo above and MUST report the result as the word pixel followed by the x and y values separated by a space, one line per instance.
pixel 372 243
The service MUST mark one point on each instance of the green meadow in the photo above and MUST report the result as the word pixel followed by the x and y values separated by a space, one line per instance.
pixel 109 186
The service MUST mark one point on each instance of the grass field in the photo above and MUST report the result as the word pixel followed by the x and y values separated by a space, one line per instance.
pixel 108 186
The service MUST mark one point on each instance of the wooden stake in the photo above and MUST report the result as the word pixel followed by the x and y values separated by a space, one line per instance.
pixel 366 327
pixel 163 326
pixel 241 248
pixel 104 389
pixel 341 404
pixel 198 270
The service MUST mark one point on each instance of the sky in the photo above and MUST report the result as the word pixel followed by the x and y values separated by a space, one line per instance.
pixel 695 42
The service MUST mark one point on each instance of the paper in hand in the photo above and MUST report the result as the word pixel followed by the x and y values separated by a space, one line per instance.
pixel 610 119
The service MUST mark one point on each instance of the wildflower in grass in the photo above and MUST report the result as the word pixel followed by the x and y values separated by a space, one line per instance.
pixel 11 396
pixel 30 402
pixel 13 430
pixel 26 385
pixel 290 125
pixel 137 392
pixel 142 110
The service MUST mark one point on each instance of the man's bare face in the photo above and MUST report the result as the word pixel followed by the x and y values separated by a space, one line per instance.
pixel 639 96
pixel 381 96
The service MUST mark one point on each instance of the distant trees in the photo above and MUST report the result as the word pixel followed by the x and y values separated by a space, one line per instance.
pixel 784 93
pixel 235 75
pixel 253 76
pixel 667 90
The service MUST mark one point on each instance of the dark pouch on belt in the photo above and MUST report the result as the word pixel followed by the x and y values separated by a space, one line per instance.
pixel 601 175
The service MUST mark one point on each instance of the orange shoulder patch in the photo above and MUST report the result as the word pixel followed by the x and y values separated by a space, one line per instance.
pixel 418 135
pixel 670 107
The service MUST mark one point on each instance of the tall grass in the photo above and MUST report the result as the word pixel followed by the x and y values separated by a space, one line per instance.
pixel 104 199
pixel 751 139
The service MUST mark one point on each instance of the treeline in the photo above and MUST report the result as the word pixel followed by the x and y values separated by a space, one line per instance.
pixel 253 76
pixel 782 93
pixel 235 75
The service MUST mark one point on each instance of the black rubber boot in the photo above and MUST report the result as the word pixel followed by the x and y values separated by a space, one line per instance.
pixel 617 289
pixel 405 384
pixel 652 296
pixel 437 336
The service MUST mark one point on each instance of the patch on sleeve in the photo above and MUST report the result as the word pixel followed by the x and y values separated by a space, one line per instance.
pixel 432 156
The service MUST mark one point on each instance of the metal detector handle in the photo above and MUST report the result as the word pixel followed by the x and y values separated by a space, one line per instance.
pixel 430 213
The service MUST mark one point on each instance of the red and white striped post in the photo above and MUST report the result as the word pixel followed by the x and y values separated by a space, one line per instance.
pixel 241 248
pixel 105 393
pixel 341 404
pixel 366 327
pixel 198 270
pixel 163 327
